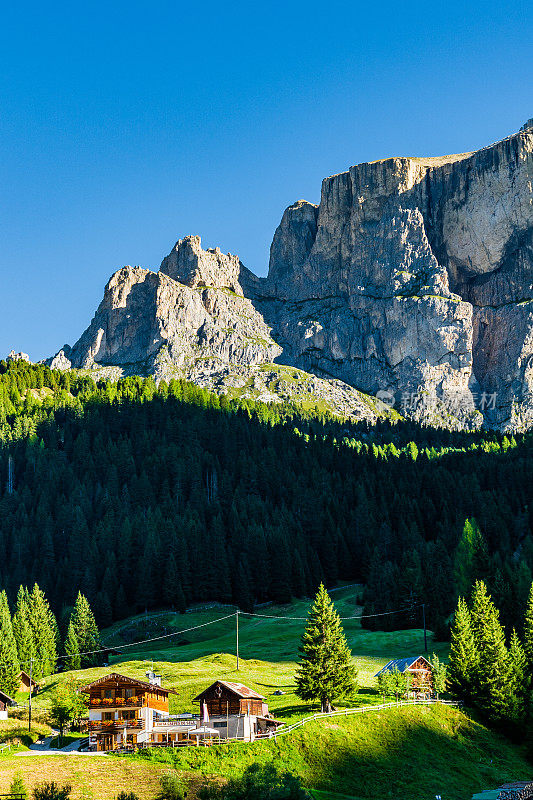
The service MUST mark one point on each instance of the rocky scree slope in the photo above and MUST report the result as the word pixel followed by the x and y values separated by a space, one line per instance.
pixel 412 279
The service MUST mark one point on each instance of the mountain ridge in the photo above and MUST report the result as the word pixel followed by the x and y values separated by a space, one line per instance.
pixel 411 280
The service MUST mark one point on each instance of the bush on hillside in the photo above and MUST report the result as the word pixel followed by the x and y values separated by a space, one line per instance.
pixel 260 781
pixel 170 788
pixel 52 791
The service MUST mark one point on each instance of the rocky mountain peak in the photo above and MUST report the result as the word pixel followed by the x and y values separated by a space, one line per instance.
pixel 189 264
pixel 413 277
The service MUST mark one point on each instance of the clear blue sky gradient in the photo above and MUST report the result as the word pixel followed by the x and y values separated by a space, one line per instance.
pixel 125 126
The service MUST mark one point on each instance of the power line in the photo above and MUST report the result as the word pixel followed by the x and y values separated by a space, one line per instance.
pixel 143 641
pixel 221 619
pixel 343 619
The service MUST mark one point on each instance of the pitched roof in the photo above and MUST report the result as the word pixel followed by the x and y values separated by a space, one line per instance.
pixel 113 680
pixel 23 674
pixel 401 664
pixel 5 698
pixel 236 688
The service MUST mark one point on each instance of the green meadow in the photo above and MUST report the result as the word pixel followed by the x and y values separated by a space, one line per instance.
pixel 414 753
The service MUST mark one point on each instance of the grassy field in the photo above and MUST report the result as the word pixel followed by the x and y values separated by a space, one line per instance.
pixel 268 648
pixel 411 752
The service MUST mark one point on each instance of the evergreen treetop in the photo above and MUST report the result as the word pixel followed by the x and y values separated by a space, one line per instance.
pixel 326 670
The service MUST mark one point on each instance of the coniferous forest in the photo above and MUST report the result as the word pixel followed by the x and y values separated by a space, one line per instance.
pixel 142 496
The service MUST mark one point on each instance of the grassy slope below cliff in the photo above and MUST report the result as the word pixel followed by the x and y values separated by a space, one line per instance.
pixel 413 753
pixel 406 753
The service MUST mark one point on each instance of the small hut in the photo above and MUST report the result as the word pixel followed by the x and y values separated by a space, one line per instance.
pixel 418 668
pixel 5 702
pixel 26 682
pixel 235 711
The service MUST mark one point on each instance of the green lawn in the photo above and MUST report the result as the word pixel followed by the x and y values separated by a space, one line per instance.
pixel 413 753
pixel 397 754
pixel 268 650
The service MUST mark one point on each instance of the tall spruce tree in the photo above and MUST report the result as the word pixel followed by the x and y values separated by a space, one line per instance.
pixel 491 686
pixel 528 629
pixel 519 680
pixel 463 653
pixel 45 633
pixel 470 557
pixel 71 648
pixel 326 670
pixel 85 630
pixel 9 663
pixel 22 630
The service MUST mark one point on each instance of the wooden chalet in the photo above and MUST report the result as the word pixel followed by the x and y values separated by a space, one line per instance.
pixel 235 711
pixel 5 702
pixel 25 682
pixel 420 671
pixel 223 698
pixel 123 711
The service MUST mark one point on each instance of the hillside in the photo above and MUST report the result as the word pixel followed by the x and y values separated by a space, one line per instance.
pixel 245 502
pixel 415 752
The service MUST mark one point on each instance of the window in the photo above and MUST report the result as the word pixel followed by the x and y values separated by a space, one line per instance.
pixel 219 724
pixel 108 694
pixel 130 693
pixel 107 715
pixel 128 715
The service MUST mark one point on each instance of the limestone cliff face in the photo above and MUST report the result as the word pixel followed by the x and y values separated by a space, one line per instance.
pixel 416 279
pixel 148 318
pixel 412 279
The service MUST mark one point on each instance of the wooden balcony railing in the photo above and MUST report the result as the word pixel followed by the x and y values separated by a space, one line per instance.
pixel 116 702
pixel 112 725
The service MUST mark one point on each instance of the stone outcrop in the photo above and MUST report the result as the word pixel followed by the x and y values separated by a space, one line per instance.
pixel 412 279
pixel 149 317
pixel 12 356
pixel 416 280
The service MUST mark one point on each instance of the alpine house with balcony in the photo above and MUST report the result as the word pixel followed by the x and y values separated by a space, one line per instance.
pixel 123 712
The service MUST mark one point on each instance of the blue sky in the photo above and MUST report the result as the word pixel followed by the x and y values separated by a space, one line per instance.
pixel 125 126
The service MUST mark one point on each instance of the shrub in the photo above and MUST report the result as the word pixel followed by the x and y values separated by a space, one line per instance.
pixel 18 787
pixel 127 796
pixel 260 782
pixel 170 788
pixel 52 791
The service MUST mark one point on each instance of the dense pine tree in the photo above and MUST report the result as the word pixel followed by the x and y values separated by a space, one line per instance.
pixel 464 656
pixel 326 670
pixel 85 631
pixel 528 629
pixel 45 633
pixel 9 663
pixel 72 658
pixel 22 630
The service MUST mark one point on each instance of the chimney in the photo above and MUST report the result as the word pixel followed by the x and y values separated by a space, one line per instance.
pixel 153 679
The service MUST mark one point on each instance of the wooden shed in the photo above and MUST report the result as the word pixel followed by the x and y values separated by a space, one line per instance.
pixel 223 697
pixel 420 670
pixel 25 681
pixel 5 702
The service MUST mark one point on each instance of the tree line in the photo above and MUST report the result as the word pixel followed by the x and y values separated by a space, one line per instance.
pixel 31 639
pixel 487 669
pixel 144 496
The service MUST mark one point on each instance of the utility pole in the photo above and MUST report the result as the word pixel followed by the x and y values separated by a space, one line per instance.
pixel 237 632
pixel 425 631
pixel 10 475
pixel 31 687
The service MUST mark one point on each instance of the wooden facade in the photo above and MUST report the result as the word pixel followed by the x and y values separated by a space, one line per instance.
pixel 223 698
pixel 418 668
pixel 25 682
pixel 121 711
